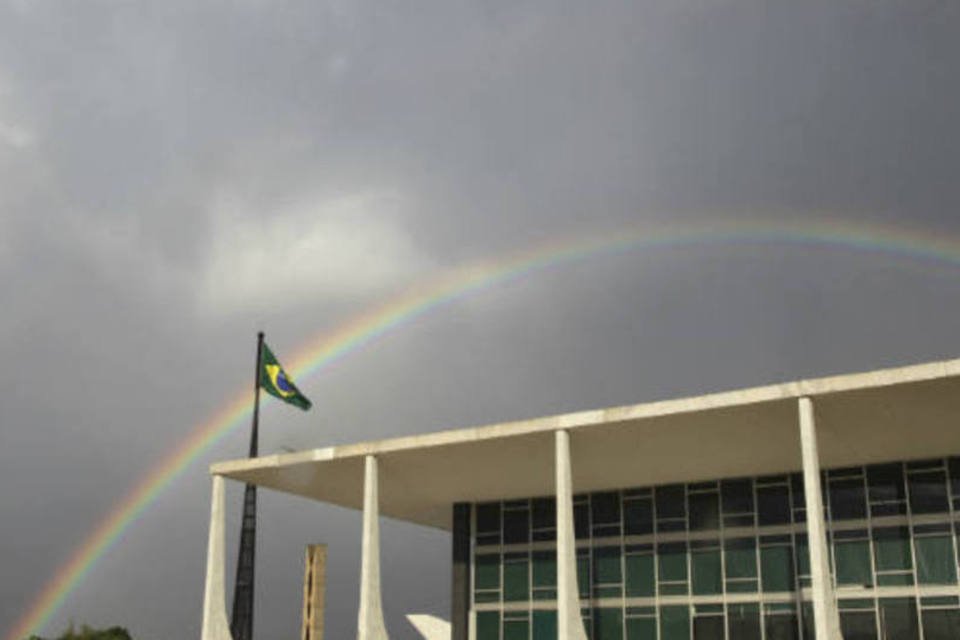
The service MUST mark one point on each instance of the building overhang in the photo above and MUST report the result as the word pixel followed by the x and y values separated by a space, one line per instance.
pixel 892 414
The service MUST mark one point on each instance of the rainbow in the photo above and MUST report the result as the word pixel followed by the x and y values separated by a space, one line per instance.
pixel 322 351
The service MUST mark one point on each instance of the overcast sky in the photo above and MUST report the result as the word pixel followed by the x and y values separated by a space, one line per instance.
pixel 176 175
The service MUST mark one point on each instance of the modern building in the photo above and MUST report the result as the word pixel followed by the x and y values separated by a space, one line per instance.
pixel 821 509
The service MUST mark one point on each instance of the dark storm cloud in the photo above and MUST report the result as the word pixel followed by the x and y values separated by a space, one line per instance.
pixel 175 176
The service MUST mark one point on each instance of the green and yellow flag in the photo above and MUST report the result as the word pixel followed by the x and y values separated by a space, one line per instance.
pixel 276 382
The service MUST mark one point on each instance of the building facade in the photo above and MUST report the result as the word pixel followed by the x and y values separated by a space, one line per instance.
pixel 729 558
pixel 824 509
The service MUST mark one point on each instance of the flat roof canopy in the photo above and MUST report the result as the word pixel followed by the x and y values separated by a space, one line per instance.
pixel 892 414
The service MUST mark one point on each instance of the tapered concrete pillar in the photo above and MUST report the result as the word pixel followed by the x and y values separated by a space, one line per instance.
pixel 370 625
pixel 825 613
pixel 215 625
pixel 569 622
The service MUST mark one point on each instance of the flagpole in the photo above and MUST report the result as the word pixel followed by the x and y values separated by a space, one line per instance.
pixel 254 432
pixel 241 623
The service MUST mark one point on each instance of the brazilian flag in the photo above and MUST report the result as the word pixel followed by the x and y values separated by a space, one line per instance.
pixel 276 382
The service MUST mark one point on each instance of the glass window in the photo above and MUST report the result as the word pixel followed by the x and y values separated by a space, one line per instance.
pixel 935 561
pixel 737 496
pixel 898 619
pixel 773 505
pixel 544 568
pixel 743 621
pixel 581 520
pixel 776 565
pixel 803 555
pixel 606 565
pixel 516 629
pixel 607 624
pixel 704 511
pixel 941 624
pixel 640 582
pixel 516 526
pixel 637 517
pixel 544 514
pixel 639 629
pixel 486 573
pixel 781 626
pixel 605 508
pixel 583 575
pixel 672 560
pixel 858 625
pixel 544 625
pixel 675 623
pixel 892 548
pixel 670 503
pixel 741 558
pixel 488 625
pixel 847 499
pixel 928 492
pixel 885 482
pixel 516 581
pixel 706 570
pixel 955 477
pixel 488 517
pixel 708 627
pixel 853 562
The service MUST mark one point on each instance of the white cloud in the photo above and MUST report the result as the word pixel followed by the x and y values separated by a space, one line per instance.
pixel 317 247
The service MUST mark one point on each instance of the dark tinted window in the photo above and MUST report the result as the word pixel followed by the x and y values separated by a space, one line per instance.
pixel 704 511
pixel 928 492
pixel 737 495
pixel 847 499
pixel 773 505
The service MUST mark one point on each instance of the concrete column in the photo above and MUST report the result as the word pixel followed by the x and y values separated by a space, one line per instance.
pixel 215 625
pixel 826 616
pixel 460 580
pixel 370 625
pixel 569 622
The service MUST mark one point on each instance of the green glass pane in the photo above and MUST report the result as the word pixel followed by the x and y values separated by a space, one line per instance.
pixel 516 581
pixel 748 586
pixel 781 627
pixel 640 629
pixel 743 621
pixel 941 624
pixel 516 630
pixel 607 592
pixel 741 558
pixel 858 625
pixel 487 596
pixel 583 576
pixel 608 624
pixel 606 565
pixel 776 568
pixel 935 560
pixel 640 579
pixel 488 625
pixel 544 625
pixel 853 562
pixel 898 619
pixel 892 548
pixel 544 568
pixel 803 556
pixel 487 572
pixel 707 578
pixel 673 589
pixel 704 511
pixel 895 580
pixel 672 562
pixel 708 628
pixel 675 623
